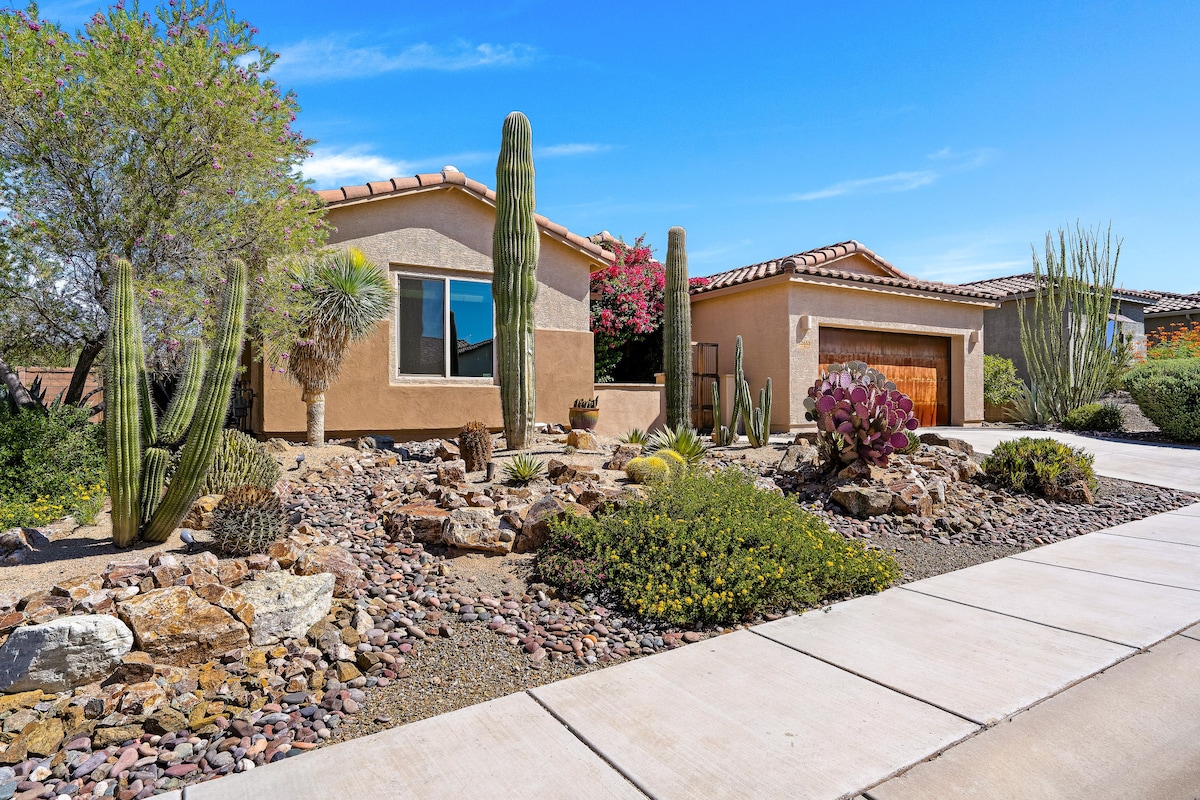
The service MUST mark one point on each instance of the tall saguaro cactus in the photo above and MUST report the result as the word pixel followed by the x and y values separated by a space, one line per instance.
pixel 514 278
pixel 677 332
pixel 136 475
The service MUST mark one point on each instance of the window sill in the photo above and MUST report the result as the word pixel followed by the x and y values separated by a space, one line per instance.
pixel 434 380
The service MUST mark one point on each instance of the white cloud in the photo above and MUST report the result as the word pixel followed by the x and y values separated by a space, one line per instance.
pixel 571 149
pixel 962 160
pixel 336 58
pixel 329 168
pixel 895 182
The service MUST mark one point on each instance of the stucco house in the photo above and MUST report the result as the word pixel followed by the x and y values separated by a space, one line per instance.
pixel 843 302
pixel 430 368
pixel 1003 324
pixel 1171 309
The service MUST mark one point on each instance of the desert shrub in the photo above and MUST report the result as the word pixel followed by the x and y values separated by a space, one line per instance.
pixel 241 460
pixel 710 548
pixel 1094 417
pixel 1045 467
pixel 684 441
pixel 51 464
pixel 1168 393
pixel 1000 382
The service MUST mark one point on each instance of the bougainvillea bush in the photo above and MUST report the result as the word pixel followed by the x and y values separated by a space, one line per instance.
pixel 710 548
pixel 860 415
pixel 627 312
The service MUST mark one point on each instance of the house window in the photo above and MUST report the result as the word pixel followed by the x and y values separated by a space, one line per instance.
pixel 445 327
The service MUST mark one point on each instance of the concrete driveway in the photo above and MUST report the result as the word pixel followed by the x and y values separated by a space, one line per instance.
pixel 1161 465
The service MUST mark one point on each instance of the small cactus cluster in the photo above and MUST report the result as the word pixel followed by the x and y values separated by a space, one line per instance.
pixel 247 520
pixel 860 415
pixel 755 421
pixel 475 445
pixel 241 460
pixel 588 404
pixel 648 470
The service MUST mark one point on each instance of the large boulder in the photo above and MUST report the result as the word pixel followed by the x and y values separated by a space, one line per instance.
pixel 177 627
pixel 333 559
pixel 477 529
pixel 536 528
pixel 285 606
pixel 622 454
pixel 416 522
pixel 937 440
pixel 862 501
pixel 799 455
pixel 59 655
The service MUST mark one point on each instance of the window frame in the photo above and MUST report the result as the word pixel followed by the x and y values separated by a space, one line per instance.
pixel 411 377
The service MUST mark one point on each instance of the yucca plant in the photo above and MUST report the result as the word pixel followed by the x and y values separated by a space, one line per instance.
pixel 634 436
pixel 1029 406
pixel 523 468
pixel 684 441
pixel 348 294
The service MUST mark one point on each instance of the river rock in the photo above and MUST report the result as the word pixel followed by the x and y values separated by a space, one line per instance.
pixel 285 606
pixel 862 501
pixel 335 560
pixel 177 627
pixel 59 655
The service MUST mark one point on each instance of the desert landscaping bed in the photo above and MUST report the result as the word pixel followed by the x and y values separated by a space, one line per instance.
pixel 422 606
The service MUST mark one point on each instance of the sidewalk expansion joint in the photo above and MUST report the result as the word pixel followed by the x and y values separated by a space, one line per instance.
pixel 1150 539
pixel 1017 557
pixel 591 746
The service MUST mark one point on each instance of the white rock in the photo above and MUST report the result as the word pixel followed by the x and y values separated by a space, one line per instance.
pixel 63 653
pixel 285 605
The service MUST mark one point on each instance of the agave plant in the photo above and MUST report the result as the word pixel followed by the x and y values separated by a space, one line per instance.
pixel 860 414
pixel 1030 407
pixel 635 436
pixel 523 468
pixel 349 295
pixel 683 440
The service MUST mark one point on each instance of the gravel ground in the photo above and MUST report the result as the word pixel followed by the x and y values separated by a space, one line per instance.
pixel 920 559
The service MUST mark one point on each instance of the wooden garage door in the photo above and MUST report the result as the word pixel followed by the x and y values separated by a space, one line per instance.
pixel 918 365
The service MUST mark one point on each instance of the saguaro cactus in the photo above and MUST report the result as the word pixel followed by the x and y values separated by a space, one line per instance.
pixel 677 332
pixel 514 278
pixel 136 479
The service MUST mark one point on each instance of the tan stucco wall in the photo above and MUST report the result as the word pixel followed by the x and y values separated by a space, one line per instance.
pixel 769 316
pixel 630 405
pixel 759 313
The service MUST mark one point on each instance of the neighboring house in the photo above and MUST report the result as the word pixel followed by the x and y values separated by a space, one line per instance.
pixel 798 314
pixel 1003 324
pixel 431 367
pixel 1171 309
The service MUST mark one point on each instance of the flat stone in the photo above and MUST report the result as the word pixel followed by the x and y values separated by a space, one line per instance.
pixel 177 627
pixel 1120 610
pixel 1122 734
pixel 477 529
pixel 59 655
pixel 741 716
pixel 862 501
pixel 1165 563
pixel 982 665
pixel 515 751
pixel 40 738
pixel 285 606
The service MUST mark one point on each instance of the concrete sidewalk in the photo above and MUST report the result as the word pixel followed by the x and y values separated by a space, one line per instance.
pixel 1174 467
pixel 836 703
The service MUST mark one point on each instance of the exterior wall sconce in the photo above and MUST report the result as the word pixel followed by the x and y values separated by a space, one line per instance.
pixel 806 322
pixel 973 339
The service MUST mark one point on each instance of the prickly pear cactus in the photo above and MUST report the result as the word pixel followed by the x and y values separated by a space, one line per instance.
pixel 860 415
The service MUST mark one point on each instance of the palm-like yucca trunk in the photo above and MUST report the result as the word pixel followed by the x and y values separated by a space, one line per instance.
pixel 1064 326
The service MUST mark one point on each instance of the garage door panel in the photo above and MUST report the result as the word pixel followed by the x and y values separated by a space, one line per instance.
pixel 918 365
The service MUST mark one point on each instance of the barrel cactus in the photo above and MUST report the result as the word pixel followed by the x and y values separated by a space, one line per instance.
pixel 514 278
pixel 674 461
pixel 247 520
pixel 475 445
pixel 648 470
pixel 677 332
pixel 860 415
pixel 241 460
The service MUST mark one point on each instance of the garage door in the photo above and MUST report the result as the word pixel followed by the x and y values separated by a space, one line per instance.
pixel 918 365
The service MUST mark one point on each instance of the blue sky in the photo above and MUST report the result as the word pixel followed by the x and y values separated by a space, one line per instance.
pixel 947 137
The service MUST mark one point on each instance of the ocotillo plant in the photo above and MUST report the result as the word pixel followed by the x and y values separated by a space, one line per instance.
pixel 136 472
pixel 677 332
pixel 514 278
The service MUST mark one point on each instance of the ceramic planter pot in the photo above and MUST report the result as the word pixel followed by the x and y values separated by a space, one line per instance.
pixel 584 418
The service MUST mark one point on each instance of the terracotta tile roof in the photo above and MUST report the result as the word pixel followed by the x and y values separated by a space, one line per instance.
pixel 1011 286
pixel 1172 303
pixel 813 262
pixel 449 177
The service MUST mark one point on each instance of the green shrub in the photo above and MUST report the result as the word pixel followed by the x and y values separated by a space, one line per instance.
pixel 1000 382
pixel 1094 417
pixel 710 549
pixel 51 465
pixel 1168 393
pixel 241 460
pixel 1042 466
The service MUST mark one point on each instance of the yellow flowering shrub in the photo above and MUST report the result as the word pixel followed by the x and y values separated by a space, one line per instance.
pixel 711 549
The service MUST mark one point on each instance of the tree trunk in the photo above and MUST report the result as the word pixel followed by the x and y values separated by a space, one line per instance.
pixel 17 390
pixel 83 367
pixel 316 418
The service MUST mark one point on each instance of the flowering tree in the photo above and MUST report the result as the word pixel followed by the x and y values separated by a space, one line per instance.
pixel 155 138
pixel 627 312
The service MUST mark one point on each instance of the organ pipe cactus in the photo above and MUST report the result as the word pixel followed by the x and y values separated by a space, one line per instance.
pixel 677 332
pixel 860 415
pixel 137 474
pixel 755 421
pixel 514 278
